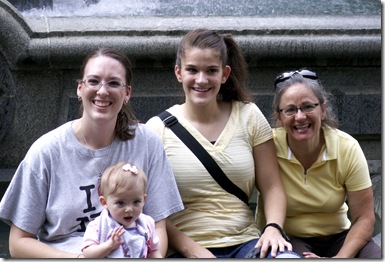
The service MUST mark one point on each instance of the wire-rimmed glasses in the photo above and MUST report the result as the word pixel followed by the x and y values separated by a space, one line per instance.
pixel 293 110
pixel 96 84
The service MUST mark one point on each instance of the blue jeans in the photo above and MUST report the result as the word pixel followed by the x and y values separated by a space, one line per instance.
pixel 238 251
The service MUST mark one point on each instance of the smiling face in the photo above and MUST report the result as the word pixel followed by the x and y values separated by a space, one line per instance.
pixel 201 75
pixel 301 126
pixel 104 103
pixel 126 203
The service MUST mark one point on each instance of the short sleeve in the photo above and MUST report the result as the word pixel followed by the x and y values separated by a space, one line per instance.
pixel 91 235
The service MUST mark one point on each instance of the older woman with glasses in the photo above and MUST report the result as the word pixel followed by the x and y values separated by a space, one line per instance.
pixel 320 166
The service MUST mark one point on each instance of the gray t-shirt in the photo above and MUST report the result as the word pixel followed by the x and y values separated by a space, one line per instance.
pixel 54 192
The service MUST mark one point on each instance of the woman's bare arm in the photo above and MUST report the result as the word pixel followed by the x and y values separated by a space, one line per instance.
pixel 270 186
pixel 25 245
pixel 361 209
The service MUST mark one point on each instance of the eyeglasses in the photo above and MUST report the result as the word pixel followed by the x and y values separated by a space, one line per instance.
pixel 95 84
pixel 305 73
pixel 292 110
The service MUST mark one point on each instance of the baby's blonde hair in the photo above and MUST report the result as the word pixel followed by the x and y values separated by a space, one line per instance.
pixel 121 175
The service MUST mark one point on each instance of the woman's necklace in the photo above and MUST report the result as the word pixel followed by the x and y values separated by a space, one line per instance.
pixel 108 155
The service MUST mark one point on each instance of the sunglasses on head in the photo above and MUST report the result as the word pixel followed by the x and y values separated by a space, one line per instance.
pixel 305 73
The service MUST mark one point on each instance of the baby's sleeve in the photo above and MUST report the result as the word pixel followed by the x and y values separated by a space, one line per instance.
pixel 91 235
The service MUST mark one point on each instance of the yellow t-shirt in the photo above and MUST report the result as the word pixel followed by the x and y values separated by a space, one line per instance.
pixel 316 197
pixel 213 217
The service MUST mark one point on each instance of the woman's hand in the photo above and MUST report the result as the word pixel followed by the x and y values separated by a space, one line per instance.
pixel 272 238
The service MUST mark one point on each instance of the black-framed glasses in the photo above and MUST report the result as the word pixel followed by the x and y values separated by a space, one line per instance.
pixel 304 72
pixel 292 110
pixel 96 84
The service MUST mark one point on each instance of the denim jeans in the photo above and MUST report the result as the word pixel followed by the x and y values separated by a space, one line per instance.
pixel 240 251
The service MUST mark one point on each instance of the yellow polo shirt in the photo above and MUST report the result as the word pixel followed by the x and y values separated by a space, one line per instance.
pixel 316 197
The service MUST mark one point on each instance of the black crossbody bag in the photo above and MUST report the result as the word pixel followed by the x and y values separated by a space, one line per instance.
pixel 212 167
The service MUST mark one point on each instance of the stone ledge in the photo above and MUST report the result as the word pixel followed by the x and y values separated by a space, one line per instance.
pixel 62 42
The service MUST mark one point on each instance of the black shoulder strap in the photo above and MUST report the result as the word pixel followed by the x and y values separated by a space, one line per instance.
pixel 212 167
